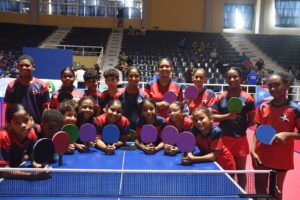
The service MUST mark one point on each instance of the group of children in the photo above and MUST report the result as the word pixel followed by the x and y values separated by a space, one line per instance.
pixel 32 114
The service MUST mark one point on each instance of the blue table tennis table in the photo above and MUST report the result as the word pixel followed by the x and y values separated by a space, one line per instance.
pixel 154 185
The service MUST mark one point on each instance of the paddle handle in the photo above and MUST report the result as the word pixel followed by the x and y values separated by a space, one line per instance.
pixel 60 160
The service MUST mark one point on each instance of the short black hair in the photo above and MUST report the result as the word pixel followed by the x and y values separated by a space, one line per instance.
pixel 53 115
pixel 90 74
pixel 26 57
pixel 68 106
pixel 111 73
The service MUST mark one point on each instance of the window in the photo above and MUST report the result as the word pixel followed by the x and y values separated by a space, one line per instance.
pixel 19 6
pixel 238 16
pixel 287 13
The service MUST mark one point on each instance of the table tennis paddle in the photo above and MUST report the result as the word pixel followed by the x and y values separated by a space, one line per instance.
pixel 61 141
pixel 72 131
pixel 64 95
pixel 191 92
pixel 265 134
pixel 235 104
pixel 186 142
pixel 110 134
pixel 170 135
pixel 148 134
pixel 87 133
pixel 43 151
pixel 170 97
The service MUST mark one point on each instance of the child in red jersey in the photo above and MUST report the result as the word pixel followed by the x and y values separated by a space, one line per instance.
pixel 16 143
pixel 234 125
pixel 67 77
pixel 157 88
pixel 283 115
pixel 27 90
pixel 132 96
pixel 113 115
pixel 85 114
pixel 180 121
pixel 209 141
pixel 111 77
pixel 149 116
pixel 206 97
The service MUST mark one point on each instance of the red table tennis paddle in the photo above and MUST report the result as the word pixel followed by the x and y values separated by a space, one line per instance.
pixel 148 134
pixel 235 104
pixel 43 151
pixel 170 135
pixel 87 133
pixel 265 134
pixel 191 92
pixel 72 131
pixel 170 97
pixel 186 142
pixel 61 141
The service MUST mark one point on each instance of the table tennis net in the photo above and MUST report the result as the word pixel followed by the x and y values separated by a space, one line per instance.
pixel 129 183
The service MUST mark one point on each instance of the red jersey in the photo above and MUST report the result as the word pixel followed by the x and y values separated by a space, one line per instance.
pixel 213 143
pixel 12 150
pixel 186 126
pixel 156 92
pixel 205 99
pixel 122 124
pixel 283 118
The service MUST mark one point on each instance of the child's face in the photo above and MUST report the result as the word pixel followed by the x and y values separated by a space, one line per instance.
pixel 176 114
pixel 21 124
pixel 91 84
pixel 164 68
pixel 133 78
pixel 202 122
pixel 114 112
pixel 277 87
pixel 199 78
pixel 70 117
pixel 148 111
pixel 111 82
pixel 67 79
pixel 86 109
pixel 50 128
pixel 25 68
pixel 233 79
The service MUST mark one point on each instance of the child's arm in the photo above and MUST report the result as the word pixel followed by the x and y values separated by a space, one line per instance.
pixel 255 159
pixel 283 136
pixel 190 158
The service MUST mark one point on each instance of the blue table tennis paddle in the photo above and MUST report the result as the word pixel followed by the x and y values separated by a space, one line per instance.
pixel 265 134
pixel 235 104
pixel 170 135
pixel 110 134
pixel 186 142
pixel 170 97
pixel 148 134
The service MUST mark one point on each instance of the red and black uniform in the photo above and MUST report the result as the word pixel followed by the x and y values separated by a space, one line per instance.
pixel 34 97
pixel 77 95
pixel 213 143
pixel 187 124
pixel 122 124
pixel 205 99
pixel 159 124
pixel 105 98
pixel 131 104
pixel 12 150
pixel 156 92
pixel 234 137
pixel 284 118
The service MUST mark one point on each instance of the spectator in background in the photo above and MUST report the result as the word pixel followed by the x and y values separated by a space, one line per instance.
pixel 260 64
pixel 252 79
pixel 182 44
pixel 130 30
pixel 79 77
pixel 143 31
pixel 244 57
pixel 120 16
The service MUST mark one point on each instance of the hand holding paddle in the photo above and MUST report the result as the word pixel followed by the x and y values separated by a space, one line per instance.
pixel 149 136
pixel 186 143
pixel 110 135
pixel 61 143
pixel 87 135
pixel 169 137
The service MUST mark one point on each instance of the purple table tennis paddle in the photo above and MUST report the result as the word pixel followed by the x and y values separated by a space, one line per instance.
pixel 186 142
pixel 191 92
pixel 170 135
pixel 170 97
pixel 148 134
pixel 87 134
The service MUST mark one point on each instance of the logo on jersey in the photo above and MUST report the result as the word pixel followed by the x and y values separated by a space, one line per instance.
pixel 284 118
